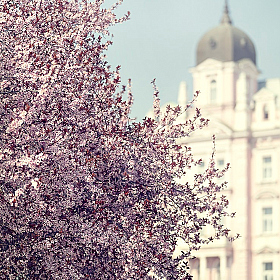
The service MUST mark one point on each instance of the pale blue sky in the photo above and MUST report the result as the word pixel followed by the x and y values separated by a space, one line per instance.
pixel 159 41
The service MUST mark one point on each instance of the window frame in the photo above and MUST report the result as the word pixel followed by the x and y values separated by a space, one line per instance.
pixel 267 220
pixel 267 273
pixel 265 112
pixel 213 91
pixel 267 168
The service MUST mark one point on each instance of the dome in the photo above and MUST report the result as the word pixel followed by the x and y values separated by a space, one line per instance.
pixel 225 43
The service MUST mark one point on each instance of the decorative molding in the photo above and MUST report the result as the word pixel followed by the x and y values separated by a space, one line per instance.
pixel 267 250
pixel 267 195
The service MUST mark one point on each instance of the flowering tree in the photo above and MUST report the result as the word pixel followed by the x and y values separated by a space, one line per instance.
pixel 86 193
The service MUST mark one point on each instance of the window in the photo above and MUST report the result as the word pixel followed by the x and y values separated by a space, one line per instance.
pixel 265 112
pixel 267 219
pixel 201 168
pixel 213 265
pixel 221 166
pixel 194 266
pixel 213 91
pixel 267 271
pixel 221 163
pixel 267 167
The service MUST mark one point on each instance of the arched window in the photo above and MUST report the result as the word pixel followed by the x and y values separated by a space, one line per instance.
pixel 213 91
pixel 265 112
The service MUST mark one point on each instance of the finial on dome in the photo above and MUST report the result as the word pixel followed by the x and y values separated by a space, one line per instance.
pixel 225 17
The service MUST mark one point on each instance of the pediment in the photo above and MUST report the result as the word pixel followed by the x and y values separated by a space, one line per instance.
pixel 267 195
pixel 264 94
pixel 208 63
pixel 248 66
pixel 215 127
pixel 267 250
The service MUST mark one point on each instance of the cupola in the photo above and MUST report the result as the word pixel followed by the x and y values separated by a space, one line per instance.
pixel 225 43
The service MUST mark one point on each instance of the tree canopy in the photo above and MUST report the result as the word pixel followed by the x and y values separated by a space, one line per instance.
pixel 87 193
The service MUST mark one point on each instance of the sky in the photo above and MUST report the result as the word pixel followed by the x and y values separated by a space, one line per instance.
pixel 159 41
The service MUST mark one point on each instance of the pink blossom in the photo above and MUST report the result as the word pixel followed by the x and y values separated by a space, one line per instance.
pixel 86 192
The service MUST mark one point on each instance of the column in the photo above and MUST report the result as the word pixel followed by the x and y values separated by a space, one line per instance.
pixel 202 268
pixel 223 267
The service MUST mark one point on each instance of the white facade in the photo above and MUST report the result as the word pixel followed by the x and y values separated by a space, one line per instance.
pixel 246 121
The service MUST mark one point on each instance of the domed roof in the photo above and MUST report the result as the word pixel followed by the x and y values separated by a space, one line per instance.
pixel 225 43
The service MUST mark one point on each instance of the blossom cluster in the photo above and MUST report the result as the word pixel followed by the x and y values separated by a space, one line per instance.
pixel 86 193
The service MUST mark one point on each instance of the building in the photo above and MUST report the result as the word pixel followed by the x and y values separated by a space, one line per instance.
pixel 245 116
